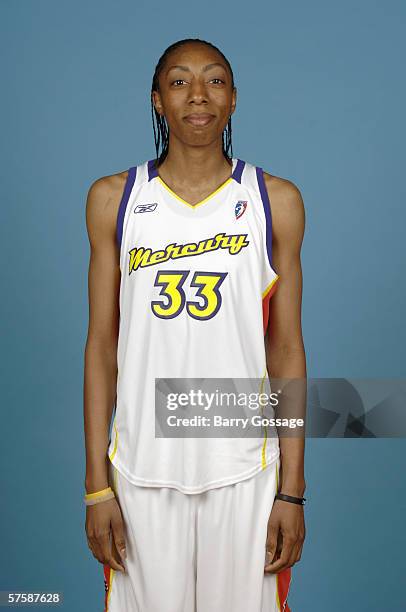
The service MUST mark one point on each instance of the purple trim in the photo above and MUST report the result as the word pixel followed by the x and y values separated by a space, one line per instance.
pixel 267 209
pixel 239 167
pixel 152 170
pixel 132 172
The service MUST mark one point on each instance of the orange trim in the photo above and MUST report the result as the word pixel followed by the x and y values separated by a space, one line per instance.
pixel 108 579
pixel 282 584
pixel 284 577
pixel 106 569
pixel 265 304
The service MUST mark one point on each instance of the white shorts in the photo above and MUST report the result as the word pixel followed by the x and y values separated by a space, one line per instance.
pixel 196 553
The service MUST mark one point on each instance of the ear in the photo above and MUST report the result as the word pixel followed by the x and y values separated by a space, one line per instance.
pixel 156 98
pixel 234 100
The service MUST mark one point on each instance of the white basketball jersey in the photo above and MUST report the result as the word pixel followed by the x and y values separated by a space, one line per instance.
pixel 194 299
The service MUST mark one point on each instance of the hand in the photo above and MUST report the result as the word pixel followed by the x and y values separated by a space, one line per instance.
pixel 286 534
pixel 101 519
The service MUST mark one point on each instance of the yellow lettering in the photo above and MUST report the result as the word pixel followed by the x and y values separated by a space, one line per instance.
pixel 188 249
pixel 157 257
pixel 138 257
pixel 141 257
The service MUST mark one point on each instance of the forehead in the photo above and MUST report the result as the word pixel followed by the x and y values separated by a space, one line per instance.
pixel 194 56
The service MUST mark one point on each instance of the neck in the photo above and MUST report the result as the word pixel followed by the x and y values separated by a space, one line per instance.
pixel 194 166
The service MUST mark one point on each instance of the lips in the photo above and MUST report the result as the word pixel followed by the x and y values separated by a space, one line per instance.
pixel 199 119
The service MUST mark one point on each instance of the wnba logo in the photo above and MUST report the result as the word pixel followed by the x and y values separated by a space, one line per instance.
pixel 240 208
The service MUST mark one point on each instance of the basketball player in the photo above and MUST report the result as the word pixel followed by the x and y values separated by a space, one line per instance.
pixel 185 256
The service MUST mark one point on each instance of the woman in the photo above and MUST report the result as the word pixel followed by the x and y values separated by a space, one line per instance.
pixel 183 249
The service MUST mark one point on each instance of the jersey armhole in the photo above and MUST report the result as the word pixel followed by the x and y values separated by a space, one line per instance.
pixel 271 276
pixel 132 172
pixel 267 211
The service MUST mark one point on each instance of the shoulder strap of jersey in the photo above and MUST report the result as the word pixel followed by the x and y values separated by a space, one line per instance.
pixel 137 176
pixel 253 179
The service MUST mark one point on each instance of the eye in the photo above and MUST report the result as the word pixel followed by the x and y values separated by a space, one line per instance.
pixel 216 79
pixel 177 81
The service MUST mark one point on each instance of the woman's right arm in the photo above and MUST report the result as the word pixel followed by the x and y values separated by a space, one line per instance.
pixel 100 359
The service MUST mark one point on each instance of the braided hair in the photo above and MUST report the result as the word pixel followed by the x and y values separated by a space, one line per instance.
pixel 161 130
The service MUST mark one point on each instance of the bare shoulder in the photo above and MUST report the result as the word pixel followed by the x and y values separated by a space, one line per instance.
pixel 287 207
pixel 103 200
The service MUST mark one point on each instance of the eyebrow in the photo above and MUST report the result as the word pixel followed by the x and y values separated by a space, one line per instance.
pixel 186 69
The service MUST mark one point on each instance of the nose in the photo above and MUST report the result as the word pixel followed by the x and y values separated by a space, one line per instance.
pixel 198 91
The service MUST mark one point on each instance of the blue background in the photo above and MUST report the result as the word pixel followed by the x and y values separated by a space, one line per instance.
pixel 321 101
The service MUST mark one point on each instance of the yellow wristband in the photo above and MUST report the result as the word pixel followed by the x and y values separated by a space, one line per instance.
pixel 98 497
pixel 97 493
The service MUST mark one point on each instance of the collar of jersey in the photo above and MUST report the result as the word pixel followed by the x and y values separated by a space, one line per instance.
pixel 235 176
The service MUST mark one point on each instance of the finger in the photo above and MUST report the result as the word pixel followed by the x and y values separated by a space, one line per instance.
pixel 281 563
pixel 107 557
pixel 279 545
pixel 293 557
pixel 273 553
pixel 299 551
pixel 115 561
pixel 118 537
pixel 116 555
pixel 94 546
pixel 271 543
pixel 91 546
pixel 115 565
pixel 299 546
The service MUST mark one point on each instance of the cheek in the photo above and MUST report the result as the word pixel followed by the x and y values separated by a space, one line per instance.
pixel 221 101
pixel 174 101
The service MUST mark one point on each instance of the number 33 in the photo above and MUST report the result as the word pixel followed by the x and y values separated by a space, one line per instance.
pixel 171 283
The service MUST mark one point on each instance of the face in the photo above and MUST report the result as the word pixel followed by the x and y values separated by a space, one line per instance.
pixel 196 95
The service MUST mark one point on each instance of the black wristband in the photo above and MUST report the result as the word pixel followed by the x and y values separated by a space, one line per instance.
pixel 289 498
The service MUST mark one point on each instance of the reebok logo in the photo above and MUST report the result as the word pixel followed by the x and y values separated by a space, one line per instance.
pixel 144 208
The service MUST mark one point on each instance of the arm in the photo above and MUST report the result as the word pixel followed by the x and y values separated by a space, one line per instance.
pixel 100 375
pixel 284 343
pixel 100 371
pixel 286 359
